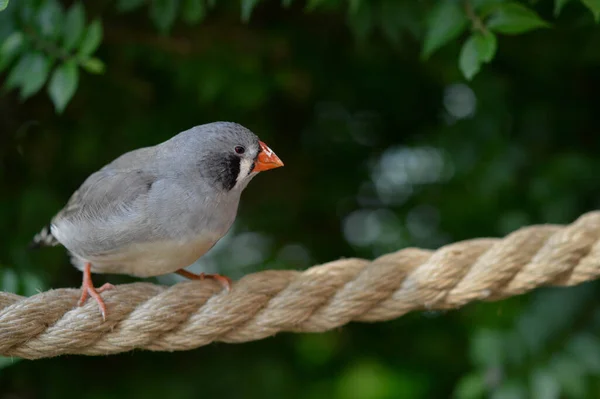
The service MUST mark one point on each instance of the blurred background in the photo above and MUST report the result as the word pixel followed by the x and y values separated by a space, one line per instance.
pixel 401 123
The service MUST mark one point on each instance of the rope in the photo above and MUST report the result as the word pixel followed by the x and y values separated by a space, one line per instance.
pixel 195 313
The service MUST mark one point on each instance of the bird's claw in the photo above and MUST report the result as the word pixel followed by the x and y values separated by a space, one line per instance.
pixel 88 289
pixel 224 280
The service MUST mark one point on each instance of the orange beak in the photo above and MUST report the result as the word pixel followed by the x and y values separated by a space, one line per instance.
pixel 266 159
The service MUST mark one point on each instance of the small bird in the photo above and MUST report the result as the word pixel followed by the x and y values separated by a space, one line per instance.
pixel 156 210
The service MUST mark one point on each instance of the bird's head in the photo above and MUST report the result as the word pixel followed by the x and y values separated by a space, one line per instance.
pixel 225 154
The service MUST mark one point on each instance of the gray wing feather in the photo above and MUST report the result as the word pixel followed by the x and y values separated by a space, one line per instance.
pixel 107 211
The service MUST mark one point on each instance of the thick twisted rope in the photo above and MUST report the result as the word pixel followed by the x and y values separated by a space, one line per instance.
pixel 195 313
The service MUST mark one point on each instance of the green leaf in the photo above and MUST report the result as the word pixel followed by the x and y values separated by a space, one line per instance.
pixel 478 49
pixel 163 13
pixel 247 7
pixel 468 60
pixel 50 19
pixel 486 45
pixel 594 7
pixel 93 65
pixel 63 85
pixel 558 6
pixel 74 26
pixel 91 39
pixel 446 22
pixel 514 19
pixel 193 11
pixel 12 46
pixel 286 3
pixel 129 5
pixel 30 73
pixel 3 5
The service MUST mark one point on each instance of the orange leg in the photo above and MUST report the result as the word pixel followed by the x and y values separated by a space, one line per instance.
pixel 225 281
pixel 87 288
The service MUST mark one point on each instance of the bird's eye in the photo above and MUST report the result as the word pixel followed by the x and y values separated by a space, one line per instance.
pixel 239 149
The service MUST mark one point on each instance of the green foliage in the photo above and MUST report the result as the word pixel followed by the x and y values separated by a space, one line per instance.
pixel 594 7
pixel 63 84
pixel 165 13
pixel 62 36
pixel 446 22
pixel 45 38
pixel 542 356
pixel 479 48
pixel 514 19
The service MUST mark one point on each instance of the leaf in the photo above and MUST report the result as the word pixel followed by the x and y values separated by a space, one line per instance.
pixel 468 60
pixel 129 5
pixel 11 47
pixel 514 19
pixel 594 7
pixel 30 73
pixel 74 26
pixel 93 65
pixel 446 22
pixel 247 7
pixel 286 3
pixel 3 5
pixel 63 84
pixel 487 45
pixel 193 11
pixel 479 48
pixel 558 6
pixel 50 19
pixel 91 39
pixel 163 13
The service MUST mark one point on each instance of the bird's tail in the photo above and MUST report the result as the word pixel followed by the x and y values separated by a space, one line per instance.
pixel 43 239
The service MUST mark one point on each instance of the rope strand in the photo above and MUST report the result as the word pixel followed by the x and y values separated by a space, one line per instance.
pixel 195 313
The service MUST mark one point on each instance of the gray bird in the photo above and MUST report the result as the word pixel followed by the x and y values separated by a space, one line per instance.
pixel 156 210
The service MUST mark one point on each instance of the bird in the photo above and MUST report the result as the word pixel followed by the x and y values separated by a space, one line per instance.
pixel 156 210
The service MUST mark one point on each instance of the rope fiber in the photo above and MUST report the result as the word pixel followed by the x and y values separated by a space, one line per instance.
pixel 191 314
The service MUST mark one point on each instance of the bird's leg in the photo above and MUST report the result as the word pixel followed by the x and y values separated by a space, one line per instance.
pixel 224 280
pixel 87 288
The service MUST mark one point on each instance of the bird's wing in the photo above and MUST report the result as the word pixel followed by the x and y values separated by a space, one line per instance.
pixel 106 194
pixel 106 213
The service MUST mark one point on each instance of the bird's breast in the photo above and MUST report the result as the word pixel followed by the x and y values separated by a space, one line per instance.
pixel 152 258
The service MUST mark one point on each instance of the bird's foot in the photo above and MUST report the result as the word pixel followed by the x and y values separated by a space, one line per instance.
pixel 224 280
pixel 88 289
